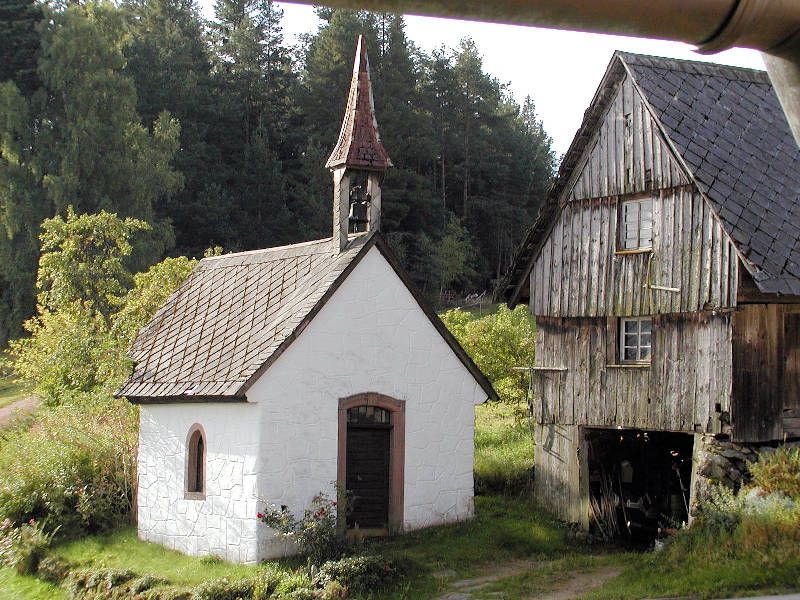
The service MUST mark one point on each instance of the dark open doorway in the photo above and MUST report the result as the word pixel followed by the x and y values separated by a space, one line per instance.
pixel 639 482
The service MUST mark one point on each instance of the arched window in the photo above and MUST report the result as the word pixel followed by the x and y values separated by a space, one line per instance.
pixel 196 463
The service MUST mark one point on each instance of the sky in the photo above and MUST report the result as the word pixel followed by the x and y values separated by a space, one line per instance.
pixel 560 70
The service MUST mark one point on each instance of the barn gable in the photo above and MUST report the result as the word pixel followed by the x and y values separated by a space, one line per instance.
pixel 658 124
pixel 574 266
pixel 628 153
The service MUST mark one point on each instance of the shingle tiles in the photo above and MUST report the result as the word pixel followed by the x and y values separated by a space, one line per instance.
pixel 727 124
pixel 229 318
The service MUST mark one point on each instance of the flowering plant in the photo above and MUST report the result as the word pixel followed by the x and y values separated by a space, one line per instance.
pixel 315 534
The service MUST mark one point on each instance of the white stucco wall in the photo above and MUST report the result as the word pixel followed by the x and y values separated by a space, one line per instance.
pixel 223 524
pixel 371 336
pixel 281 447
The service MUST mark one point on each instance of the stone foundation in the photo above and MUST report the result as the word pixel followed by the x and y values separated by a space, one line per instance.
pixel 717 460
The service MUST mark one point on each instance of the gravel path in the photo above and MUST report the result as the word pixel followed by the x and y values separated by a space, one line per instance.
pixel 568 589
pixel 16 409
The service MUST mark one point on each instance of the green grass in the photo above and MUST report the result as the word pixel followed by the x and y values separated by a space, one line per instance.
pixel 504 529
pixel 16 587
pixel 503 448
pixel 650 576
pixel 123 550
pixel 11 391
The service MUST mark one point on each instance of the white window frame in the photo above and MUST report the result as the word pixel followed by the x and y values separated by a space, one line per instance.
pixel 636 231
pixel 643 352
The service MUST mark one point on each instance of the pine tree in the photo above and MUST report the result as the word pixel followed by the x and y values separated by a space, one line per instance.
pixel 19 43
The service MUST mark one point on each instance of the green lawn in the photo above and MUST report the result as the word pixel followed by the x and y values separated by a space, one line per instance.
pixel 504 529
pixel 14 587
pixel 123 550
pixel 11 391
pixel 503 448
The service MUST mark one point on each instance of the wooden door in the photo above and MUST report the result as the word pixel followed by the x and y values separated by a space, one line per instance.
pixel 368 475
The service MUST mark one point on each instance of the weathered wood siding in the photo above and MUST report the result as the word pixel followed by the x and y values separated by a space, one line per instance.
pixel 766 367
pixel 791 373
pixel 628 154
pixel 578 271
pixel 687 386
pixel 560 485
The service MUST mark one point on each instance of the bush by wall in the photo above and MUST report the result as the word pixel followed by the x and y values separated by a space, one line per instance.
pixel 361 574
pixel 74 469
pixel 778 472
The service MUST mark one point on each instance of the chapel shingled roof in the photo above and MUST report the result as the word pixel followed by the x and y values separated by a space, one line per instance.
pixel 727 126
pixel 230 317
pixel 359 145
pixel 237 313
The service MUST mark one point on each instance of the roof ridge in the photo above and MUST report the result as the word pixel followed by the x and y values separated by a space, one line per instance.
pixel 695 66
pixel 298 245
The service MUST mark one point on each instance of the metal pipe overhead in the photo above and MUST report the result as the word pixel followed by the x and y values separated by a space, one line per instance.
pixel 771 26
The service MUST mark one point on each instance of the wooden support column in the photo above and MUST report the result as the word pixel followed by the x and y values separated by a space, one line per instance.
pixel 341 208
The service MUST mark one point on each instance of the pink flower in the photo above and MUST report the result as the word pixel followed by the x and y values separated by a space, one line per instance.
pixel 259 516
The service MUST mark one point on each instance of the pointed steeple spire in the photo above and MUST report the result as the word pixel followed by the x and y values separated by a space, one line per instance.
pixel 359 145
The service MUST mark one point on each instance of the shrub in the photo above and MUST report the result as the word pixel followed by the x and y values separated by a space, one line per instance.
pixel 315 534
pixel 291 583
pixel 361 574
pixel 303 593
pixel 99 584
pixel 53 570
pixel 778 472
pixel 266 584
pixel 497 343
pixel 166 593
pixel 145 583
pixel 23 547
pixel 74 469
pixel 224 589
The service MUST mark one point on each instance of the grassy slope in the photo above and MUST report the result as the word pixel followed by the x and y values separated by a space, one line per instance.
pixel 504 529
pixel 122 550
pixel 14 587
pixel 10 391
pixel 503 447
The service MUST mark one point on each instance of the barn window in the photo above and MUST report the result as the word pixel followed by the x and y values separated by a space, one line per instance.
pixel 196 463
pixel 636 224
pixel 634 340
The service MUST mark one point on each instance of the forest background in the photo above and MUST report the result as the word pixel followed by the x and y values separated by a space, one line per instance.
pixel 215 132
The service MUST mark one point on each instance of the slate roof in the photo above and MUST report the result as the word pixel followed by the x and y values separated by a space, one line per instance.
pixel 727 126
pixel 730 130
pixel 235 315
pixel 359 145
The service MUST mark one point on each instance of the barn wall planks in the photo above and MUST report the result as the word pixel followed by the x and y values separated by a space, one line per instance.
pixel 686 387
pixel 559 485
pixel 579 273
pixel 766 363
pixel 628 154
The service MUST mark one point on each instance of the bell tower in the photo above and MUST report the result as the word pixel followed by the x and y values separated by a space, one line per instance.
pixel 359 160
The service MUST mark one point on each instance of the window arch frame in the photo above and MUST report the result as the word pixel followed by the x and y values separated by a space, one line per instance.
pixel 195 464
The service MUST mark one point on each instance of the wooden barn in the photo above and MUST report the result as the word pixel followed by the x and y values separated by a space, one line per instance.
pixel 664 274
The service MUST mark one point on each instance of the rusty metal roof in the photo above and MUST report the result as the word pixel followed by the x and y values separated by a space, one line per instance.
pixel 237 313
pixel 359 144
